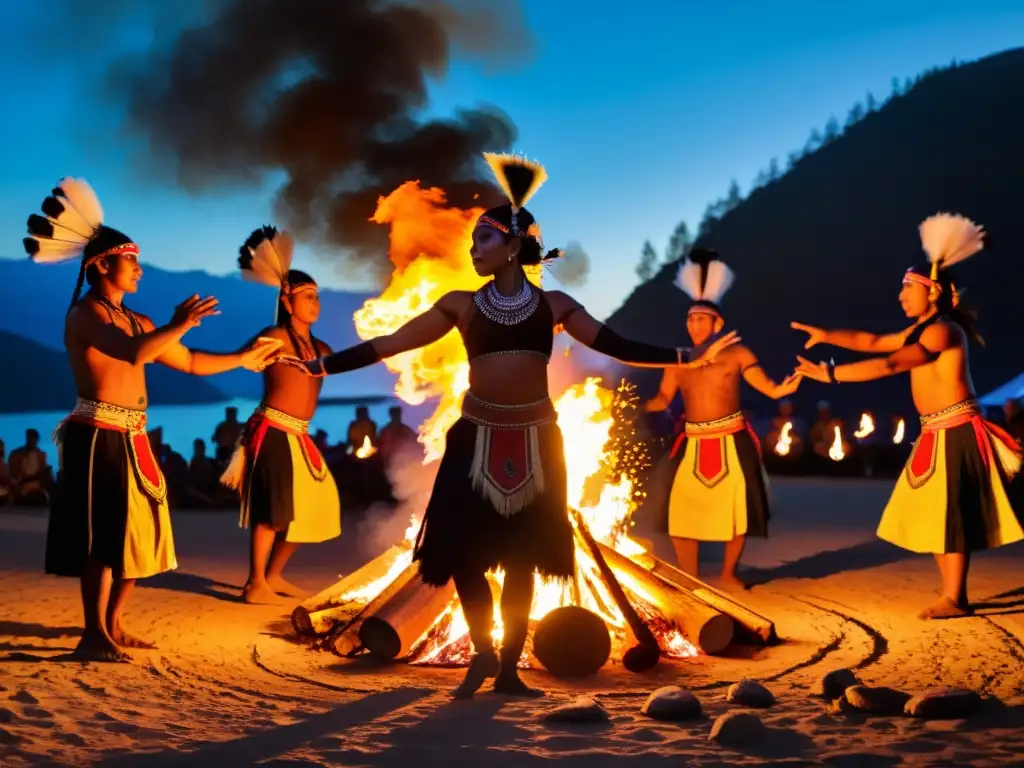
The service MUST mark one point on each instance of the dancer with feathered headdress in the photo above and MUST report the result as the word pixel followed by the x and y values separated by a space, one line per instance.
pixel 109 524
pixel 951 500
pixel 499 497
pixel 288 495
pixel 716 486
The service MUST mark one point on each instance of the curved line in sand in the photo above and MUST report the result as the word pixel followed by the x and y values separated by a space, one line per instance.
pixel 291 676
pixel 879 642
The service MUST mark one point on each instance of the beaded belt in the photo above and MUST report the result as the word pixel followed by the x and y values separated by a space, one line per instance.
pixel 953 416
pixel 499 415
pixel 283 420
pixel 726 425
pixel 107 415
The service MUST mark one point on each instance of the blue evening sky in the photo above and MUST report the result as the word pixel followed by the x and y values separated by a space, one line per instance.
pixel 642 112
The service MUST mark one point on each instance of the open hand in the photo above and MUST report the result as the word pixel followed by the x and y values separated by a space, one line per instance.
pixel 262 353
pixel 789 385
pixel 812 370
pixel 814 335
pixel 193 310
pixel 727 340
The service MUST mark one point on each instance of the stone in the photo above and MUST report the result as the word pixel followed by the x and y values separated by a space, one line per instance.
pixel 749 693
pixel 877 700
pixel 840 706
pixel 737 728
pixel 672 703
pixel 582 709
pixel 943 704
pixel 833 684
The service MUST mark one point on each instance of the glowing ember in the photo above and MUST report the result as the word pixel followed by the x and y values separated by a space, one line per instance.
pixel 785 442
pixel 867 426
pixel 835 451
pixel 897 438
pixel 366 449
pixel 429 250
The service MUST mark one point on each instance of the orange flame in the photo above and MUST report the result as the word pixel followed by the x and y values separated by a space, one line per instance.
pixel 366 449
pixel 900 429
pixel 867 426
pixel 835 451
pixel 429 248
pixel 785 442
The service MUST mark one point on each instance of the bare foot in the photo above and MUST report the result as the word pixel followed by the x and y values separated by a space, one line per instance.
pixel 944 608
pixel 126 640
pixel 96 646
pixel 510 684
pixel 284 587
pixel 260 594
pixel 732 582
pixel 483 666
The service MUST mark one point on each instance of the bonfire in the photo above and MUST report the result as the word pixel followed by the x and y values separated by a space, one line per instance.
pixel 621 597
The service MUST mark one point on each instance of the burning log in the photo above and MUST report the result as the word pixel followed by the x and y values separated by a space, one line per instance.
pixel 344 638
pixel 753 625
pixel 704 626
pixel 393 629
pixel 317 614
pixel 571 641
pixel 646 652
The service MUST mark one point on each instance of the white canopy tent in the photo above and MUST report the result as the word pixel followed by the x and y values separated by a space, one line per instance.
pixel 1012 389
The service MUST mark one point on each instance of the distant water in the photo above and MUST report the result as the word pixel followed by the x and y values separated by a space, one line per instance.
pixel 184 423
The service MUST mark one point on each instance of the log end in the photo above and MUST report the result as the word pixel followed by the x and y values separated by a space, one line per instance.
pixel 572 642
pixel 300 621
pixel 716 634
pixel 641 657
pixel 380 639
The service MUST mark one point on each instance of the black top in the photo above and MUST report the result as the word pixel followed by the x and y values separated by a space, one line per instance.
pixel 914 337
pixel 483 336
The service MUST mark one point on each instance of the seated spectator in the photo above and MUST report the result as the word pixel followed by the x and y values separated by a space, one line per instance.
pixel 31 475
pixel 396 436
pixel 361 429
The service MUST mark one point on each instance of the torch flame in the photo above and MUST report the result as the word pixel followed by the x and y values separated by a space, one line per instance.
pixel 429 247
pixel 867 426
pixel 835 451
pixel 366 449
pixel 785 442
pixel 898 437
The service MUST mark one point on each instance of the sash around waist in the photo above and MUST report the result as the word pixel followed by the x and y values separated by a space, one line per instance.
pixel 281 420
pixel 727 425
pixel 108 416
pixel 954 416
pixel 501 416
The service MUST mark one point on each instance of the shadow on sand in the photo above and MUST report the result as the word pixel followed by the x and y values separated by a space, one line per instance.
pixel 868 554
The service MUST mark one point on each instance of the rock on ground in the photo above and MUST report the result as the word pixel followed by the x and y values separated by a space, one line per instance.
pixel 833 684
pixel 582 709
pixel 750 693
pixel 672 703
pixel 877 700
pixel 734 728
pixel 943 704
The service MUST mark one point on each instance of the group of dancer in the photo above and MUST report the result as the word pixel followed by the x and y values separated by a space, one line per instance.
pixel 499 497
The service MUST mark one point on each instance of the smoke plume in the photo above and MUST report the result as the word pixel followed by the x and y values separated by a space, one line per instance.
pixel 572 268
pixel 328 94
pixel 411 484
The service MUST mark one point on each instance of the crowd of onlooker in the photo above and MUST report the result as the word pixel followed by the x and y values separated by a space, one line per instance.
pixel 825 445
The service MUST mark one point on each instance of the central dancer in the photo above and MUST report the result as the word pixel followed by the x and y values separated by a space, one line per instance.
pixel 499 498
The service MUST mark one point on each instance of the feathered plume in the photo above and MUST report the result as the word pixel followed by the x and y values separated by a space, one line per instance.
pixel 703 277
pixel 569 265
pixel 266 256
pixel 518 177
pixel 72 216
pixel 949 238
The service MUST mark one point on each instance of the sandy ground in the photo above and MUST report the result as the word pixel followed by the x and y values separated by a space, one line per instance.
pixel 230 687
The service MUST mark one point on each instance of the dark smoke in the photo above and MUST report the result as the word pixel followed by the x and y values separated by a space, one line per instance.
pixel 328 93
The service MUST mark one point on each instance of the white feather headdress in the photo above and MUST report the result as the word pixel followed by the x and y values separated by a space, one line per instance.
pixel 72 217
pixel 948 239
pixel 266 257
pixel 705 279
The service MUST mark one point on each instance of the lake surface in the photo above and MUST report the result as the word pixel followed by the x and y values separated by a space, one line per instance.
pixel 184 423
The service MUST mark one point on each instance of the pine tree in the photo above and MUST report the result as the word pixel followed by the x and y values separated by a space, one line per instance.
pixel 648 262
pixel 679 243
pixel 871 104
pixel 773 170
pixel 855 115
pixel 831 131
pixel 733 197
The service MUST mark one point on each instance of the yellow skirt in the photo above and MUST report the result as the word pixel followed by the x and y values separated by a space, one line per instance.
pixel 719 490
pixel 951 496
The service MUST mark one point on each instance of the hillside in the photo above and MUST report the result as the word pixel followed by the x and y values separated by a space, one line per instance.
pixel 34 299
pixel 827 243
pixel 36 378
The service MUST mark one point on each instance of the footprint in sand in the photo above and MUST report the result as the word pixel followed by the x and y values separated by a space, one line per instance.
pixel 24 697
pixel 38 713
pixel 7 737
pixel 102 716
pixel 71 738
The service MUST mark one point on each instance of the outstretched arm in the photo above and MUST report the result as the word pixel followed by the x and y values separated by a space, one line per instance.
pixel 666 392
pixel 936 339
pixel 756 377
pixel 254 355
pixel 87 323
pixel 421 331
pixel 856 341
pixel 586 329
